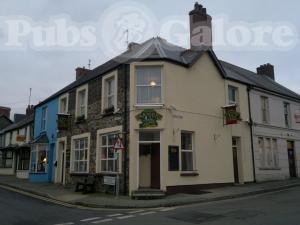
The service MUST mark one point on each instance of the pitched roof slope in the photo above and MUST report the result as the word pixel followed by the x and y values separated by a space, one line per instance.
pixel 260 81
pixel 152 49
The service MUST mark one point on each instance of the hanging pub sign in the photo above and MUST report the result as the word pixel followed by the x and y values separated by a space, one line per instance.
pixel 62 121
pixel 21 138
pixel 297 116
pixel 231 115
pixel 148 118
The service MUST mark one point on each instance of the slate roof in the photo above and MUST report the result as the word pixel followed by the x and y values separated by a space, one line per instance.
pixel 153 49
pixel 18 125
pixel 159 49
pixel 260 81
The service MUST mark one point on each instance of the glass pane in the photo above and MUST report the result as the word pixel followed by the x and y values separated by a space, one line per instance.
pixel 81 146
pixel 149 136
pixel 77 156
pixel 186 141
pixel 111 153
pixel 104 140
pixel 143 95
pixel 103 165
pixel 111 139
pixel 81 155
pixel 103 153
pixel 76 164
pixel 187 161
pixel 154 94
pixel 147 74
pixel 110 165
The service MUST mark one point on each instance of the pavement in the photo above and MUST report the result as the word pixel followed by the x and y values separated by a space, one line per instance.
pixel 98 200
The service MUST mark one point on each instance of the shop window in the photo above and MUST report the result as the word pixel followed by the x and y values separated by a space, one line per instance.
pixel 187 151
pixel 24 159
pixel 6 159
pixel 149 85
pixel 39 158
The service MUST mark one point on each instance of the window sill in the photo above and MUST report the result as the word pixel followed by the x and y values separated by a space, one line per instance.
pixel 189 174
pixel 271 168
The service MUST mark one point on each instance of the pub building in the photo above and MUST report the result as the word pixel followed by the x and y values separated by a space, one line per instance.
pixel 169 106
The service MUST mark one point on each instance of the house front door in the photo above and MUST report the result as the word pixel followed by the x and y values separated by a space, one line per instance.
pixel 60 163
pixel 235 149
pixel 291 157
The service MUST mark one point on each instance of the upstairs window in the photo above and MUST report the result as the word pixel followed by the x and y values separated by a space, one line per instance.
pixel 287 114
pixel 109 93
pixel 81 102
pixel 63 104
pixel 149 85
pixel 265 109
pixel 44 118
pixel 232 95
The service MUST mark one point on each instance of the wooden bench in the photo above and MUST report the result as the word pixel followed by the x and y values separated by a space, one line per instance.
pixel 87 185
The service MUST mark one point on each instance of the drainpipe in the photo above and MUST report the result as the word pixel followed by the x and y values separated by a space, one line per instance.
pixel 125 125
pixel 251 133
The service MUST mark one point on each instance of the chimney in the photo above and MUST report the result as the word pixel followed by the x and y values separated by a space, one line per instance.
pixel 267 70
pixel 29 110
pixel 5 111
pixel 200 28
pixel 80 72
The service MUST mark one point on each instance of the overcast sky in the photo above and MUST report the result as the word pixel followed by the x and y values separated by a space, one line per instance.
pixel 48 71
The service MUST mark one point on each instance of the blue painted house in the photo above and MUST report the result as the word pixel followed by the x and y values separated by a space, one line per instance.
pixel 44 144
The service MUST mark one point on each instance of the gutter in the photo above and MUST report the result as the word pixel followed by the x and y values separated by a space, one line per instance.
pixel 251 132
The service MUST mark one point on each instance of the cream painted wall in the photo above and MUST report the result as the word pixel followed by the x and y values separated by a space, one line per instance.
pixel 193 100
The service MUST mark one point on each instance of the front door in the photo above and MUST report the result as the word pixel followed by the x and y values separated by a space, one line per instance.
pixel 291 156
pixel 235 160
pixel 60 163
pixel 149 160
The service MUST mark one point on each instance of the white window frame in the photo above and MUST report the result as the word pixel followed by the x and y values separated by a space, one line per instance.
pixel 230 102
pixel 263 151
pixel 35 150
pixel 44 118
pixel 72 156
pixel 287 114
pixel 80 89
pixel 161 103
pixel 188 150
pixel 104 102
pixel 100 133
pixel 265 112
pixel 61 98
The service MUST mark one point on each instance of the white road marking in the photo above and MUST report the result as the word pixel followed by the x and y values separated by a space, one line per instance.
pixel 114 215
pixel 147 213
pixel 167 209
pixel 137 211
pixel 102 221
pixel 90 219
pixel 125 217
pixel 70 223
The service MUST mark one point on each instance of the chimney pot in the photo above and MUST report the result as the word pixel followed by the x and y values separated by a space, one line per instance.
pixel 80 72
pixel 267 70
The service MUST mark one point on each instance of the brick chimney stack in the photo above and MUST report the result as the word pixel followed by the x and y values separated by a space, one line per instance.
pixel 80 72
pixel 200 28
pixel 29 110
pixel 267 70
pixel 5 111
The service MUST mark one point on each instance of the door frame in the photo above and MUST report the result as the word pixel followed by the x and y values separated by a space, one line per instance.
pixel 138 153
pixel 59 173
pixel 238 158
pixel 294 155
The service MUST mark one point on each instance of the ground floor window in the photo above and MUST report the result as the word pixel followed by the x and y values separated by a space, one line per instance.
pixel 23 160
pixel 6 159
pixel 80 155
pixel 268 152
pixel 187 151
pixel 39 158
pixel 109 157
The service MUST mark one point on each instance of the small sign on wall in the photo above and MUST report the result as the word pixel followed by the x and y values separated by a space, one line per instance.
pixel 107 180
pixel 21 138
